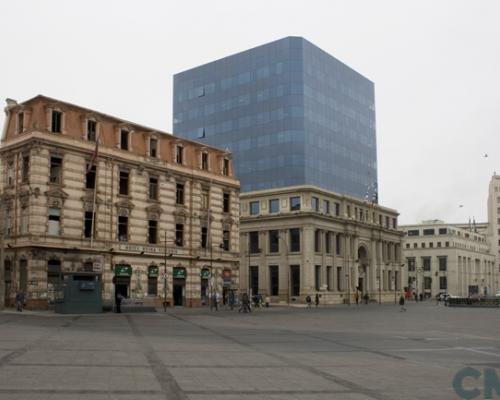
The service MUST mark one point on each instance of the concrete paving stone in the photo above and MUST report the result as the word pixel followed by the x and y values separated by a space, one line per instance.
pixel 250 379
pixel 83 357
pixel 218 359
pixel 78 378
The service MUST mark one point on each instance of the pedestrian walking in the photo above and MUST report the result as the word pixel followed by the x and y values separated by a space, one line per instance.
pixel 308 301
pixel 20 301
pixel 231 300
pixel 216 301
pixel 245 303
pixel 402 303
pixel 118 301
pixel 356 297
pixel 366 297
pixel 316 300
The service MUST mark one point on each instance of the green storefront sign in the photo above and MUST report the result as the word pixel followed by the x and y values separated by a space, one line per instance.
pixel 153 271
pixel 180 273
pixel 205 274
pixel 123 270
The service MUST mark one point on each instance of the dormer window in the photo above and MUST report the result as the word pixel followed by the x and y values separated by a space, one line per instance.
pixel 91 130
pixel 179 154
pixel 153 147
pixel 124 139
pixel 56 121
pixel 225 167
pixel 20 122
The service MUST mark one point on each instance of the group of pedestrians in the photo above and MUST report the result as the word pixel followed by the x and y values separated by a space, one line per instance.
pixel 309 300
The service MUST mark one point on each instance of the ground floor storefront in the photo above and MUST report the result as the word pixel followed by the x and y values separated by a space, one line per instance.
pixel 39 273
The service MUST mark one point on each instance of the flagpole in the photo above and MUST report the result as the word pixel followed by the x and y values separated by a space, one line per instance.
pixel 94 161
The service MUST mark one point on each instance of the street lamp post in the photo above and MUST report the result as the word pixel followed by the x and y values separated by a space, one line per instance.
pixel 165 282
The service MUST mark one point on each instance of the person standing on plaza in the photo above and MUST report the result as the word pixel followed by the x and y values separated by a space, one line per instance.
pixel 118 300
pixel 366 297
pixel 316 300
pixel 19 301
pixel 356 297
pixel 308 301
pixel 402 303
pixel 245 303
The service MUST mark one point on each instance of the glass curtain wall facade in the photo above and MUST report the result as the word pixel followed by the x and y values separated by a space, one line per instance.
pixel 290 113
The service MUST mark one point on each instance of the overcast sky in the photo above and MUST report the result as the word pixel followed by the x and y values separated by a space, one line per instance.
pixel 435 64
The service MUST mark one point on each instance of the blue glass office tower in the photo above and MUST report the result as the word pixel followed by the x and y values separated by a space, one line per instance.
pixel 290 113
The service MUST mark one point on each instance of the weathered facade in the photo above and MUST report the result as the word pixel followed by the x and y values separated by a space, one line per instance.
pixel 303 240
pixel 145 197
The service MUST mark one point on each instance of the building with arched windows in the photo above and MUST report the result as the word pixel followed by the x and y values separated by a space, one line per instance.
pixel 82 191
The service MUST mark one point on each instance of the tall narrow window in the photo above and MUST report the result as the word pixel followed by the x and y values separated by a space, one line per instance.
pixel 225 167
pixel 55 170
pixel 204 237
pixel 54 221
pixel 124 139
pixel 88 224
pixel 326 206
pixel 10 173
pixel 274 280
pixel 317 240
pixel 91 130
pixel 153 188
pixel 274 241
pixel 124 178
pixel 226 202
pixel 153 147
pixel 295 239
pixel 317 277
pixel 328 239
pixel 204 161
pixel 179 194
pixel 152 231
pixel 179 153
pixel 226 239
pixel 337 245
pixel 179 235
pixel 56 121
pixel 123 229
pixel 20 122
pixel 253 242
pixel 90 177
pixel 26 169
pixel 153 280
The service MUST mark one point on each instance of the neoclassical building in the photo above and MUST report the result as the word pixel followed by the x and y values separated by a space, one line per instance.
pixel 302 240
pixel 449 258
pixel 141 204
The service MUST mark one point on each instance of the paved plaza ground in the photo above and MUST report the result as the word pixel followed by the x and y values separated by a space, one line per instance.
pixel 339 352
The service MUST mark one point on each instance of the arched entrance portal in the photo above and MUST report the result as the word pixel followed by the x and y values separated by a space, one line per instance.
pixel 362 269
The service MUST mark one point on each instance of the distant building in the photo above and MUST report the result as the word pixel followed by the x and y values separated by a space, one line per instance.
pixel 494 217
pixel 303 240
pixel 143 199
pixel 448 258
pixel 290 113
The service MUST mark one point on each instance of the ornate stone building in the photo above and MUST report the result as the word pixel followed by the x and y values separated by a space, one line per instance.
pixel 302 240
pixel 145 197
